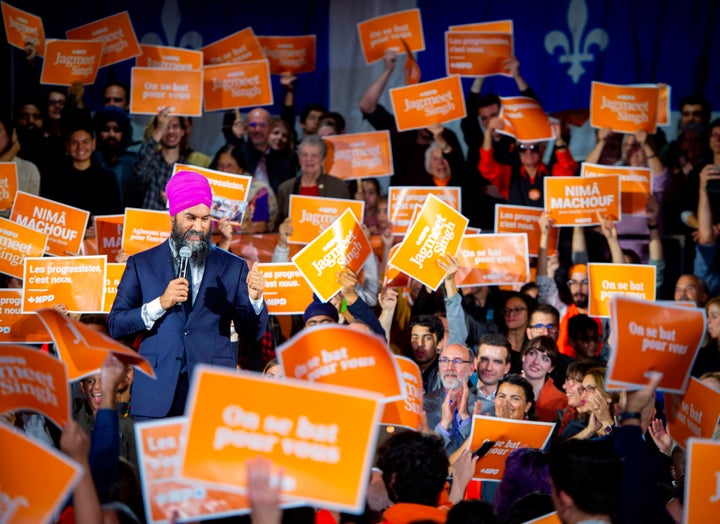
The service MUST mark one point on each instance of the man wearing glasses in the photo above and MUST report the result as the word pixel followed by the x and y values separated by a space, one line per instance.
pixel 265 164
pixel 449 410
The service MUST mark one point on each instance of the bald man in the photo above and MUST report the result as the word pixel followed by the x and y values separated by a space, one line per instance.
pixel 265 164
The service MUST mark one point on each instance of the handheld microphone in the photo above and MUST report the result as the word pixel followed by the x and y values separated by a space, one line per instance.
pixel 185 254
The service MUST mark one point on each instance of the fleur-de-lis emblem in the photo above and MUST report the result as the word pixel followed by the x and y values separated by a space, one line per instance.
pixel 580 51
pixel 170 20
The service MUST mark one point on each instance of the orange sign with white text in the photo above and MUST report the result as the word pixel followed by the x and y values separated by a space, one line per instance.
pixel 339 355
pixel 237 47
pixel 576 201
pixel 312 215
pixel 36 381
pixel 342 244
pixel 626 280
pixel 507 435
pixel 477 53
pixel 83 349
pixel 143 229
pixel 694 414
pixel 702 481
pixel 69 61
pixel 163 57
pixel 108 234
pixel 114 273
pixel 286 290
pixel 159 446
pixel 524 219
pixel 407 412
pixel 289 54
pixel 323 437
pixel 152 89
pixel 17 327
pixel 499 26
pixel 646 336
pixel 22 27
pixel 623 108
pixel 18 242
pixel 525 119
pixel 491 260
pixel 63 225
pixel 435 102
pixel 437 230
pixel 25 461
pixel 8 184
pixel 393 276
pixel 229 191
pixel 78 283
pixel 359 155
pixel 242 84
pixel 635 185
pixel 403 201
pixel 115 32
pixel 388 31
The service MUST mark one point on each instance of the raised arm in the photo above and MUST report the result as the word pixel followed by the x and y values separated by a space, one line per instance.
pixel 369 100
pixel 656 166
pixel 609 231
pixel 602 135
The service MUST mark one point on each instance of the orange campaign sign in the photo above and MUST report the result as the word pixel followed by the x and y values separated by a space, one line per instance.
pixel 163 57
pixel 393 276
pixel 506 435
pixel 32 379
pixel 108 234
pixel 18 242
pixel 22 27
pixel 165 491
pixel 115 32
pixel 289 54
pixel 114 273
pixel 576 201
pixel 407 412
pixel 25 461
pixel 477 53
pixel 702 481
pixel 387 32
pixel 83 350
pixel 437 230
pixel 435 102
pixel 312 215
pixel 646 336
pixel 8 184
pixel 404 200
pixel 17 327
pixel 69 61
pixel 525 119
pixel 359 155
pixel 339 355
pixel 694 414
pixel 242 84
pixel 550 518
pixel 286 290
pixel 78 283
pixel 626 280
pixel 635 185
pixel 237 47
pixel 63 225
pixel 622 108
pixel 323 437
pixel 499 26
pixel 524 219
pixel 491 260
pixel 663 111
pixel 342 244
pixel 152 89
pixel 229 191
pixel 143 229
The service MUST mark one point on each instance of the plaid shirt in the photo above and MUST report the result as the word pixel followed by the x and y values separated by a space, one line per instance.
pixel 153 174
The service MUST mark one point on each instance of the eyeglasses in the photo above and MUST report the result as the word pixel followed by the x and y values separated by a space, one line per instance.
pixel 444 361
pixel 509 310
pixel 525 147
pixel 571 283
pixel 257 124
pixel 584 389
pixel 549 327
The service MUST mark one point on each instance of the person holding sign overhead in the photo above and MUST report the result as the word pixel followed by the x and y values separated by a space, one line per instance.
pixel 184 320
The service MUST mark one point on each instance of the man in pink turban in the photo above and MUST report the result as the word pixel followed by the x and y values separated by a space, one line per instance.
pixel 180 298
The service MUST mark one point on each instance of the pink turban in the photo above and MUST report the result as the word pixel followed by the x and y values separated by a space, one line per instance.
pixel 187 189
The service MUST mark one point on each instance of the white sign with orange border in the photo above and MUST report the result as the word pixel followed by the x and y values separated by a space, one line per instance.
pixel 492 260
pixel 359 155
pixel 524 219
pixel 312 215
pixel 152 89
pixel 420 105
pixel 576 201
pixel 609 280
pixel 636 185
pixel 388 31
pixel 22 27
pixel 17 327
pixel 143 229
pixel 403 201
pixel 702 481
pixel 286 290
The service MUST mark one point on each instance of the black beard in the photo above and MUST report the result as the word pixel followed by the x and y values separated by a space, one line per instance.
pixel 200 249
pixel 581 302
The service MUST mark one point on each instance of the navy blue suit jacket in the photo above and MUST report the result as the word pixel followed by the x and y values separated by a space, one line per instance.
pixel 204 335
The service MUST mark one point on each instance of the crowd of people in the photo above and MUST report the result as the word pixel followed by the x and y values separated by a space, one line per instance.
pixel 527 354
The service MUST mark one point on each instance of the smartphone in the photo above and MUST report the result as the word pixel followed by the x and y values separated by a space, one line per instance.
pixel 482 450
